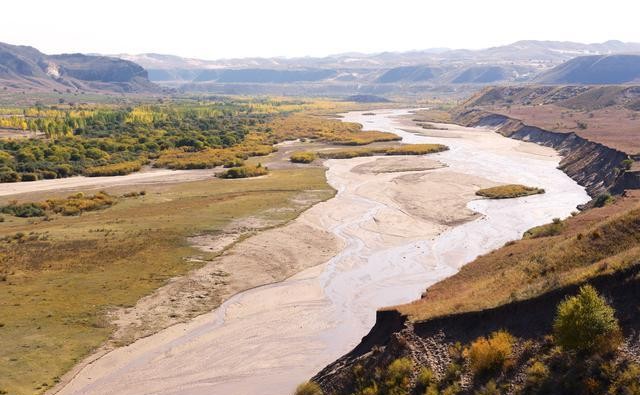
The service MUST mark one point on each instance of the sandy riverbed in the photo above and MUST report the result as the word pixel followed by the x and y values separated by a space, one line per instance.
pixel 404 222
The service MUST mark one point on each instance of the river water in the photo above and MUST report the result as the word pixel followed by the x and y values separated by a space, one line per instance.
pixel 269 339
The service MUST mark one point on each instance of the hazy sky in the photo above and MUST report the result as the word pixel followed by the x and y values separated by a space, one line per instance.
pixel 240 28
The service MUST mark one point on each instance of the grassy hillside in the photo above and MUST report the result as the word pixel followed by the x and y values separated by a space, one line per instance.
pixel 600 240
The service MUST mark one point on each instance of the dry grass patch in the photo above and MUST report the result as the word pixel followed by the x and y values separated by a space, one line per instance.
pixel 509 191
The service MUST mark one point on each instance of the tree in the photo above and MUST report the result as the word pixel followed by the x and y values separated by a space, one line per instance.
pixel 585 323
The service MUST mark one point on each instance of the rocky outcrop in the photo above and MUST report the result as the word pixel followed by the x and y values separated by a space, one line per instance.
pixel 596 167
pixel 24 67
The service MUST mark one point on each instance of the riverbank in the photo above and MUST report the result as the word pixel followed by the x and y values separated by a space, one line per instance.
pixel 402 230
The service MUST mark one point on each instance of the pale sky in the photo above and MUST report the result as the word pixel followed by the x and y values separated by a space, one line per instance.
pixel 241 28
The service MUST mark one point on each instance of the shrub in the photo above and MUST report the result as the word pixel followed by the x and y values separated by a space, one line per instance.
pixel 627 382
pixel 64 170
pixel 7 175
pixel 49 174
pixel 302 157
pixel 72 205
pixel 29 177
pixel 586 323
pixel 234 162
pixel 308 388
pixel 627 163
pixel 23 210
pixel 115 169
pixel 426 382
pixel 487 355
pixel 602 200
pixel 397 379
pixel 547 230
pixel 537 374
pixel 425 377
pixel 244 172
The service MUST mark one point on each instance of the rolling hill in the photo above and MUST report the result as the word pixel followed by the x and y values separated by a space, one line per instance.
pixel 595 70
pixel 26 68
pixel 388 73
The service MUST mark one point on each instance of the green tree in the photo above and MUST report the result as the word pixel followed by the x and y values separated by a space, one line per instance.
pixel 586 323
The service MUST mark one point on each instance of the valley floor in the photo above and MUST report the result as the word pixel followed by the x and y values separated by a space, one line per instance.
pixel 399 224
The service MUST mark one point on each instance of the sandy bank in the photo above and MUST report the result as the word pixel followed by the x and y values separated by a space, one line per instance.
pixel 151 176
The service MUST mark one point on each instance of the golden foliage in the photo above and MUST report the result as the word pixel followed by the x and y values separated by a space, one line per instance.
pixel 303 157
pixel 245 171
pixel 253 145
pixel 326 130
pixel 115 169
pixel 489 354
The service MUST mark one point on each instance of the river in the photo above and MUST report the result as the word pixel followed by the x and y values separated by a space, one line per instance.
pixel 402 231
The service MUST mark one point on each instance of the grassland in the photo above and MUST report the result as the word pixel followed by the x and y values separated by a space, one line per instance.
pixel 61 278
pixel 595 242
pixel 509 191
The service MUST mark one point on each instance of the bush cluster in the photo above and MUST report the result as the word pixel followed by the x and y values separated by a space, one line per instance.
pixel 244 172
pixel 302 157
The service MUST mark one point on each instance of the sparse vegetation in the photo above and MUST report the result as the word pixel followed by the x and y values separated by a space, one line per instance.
pixel 407 149
pixel 551 229
pixel 245 171
pixel 603 199
pixel 303 157
pixel 509 191
pixel 72 205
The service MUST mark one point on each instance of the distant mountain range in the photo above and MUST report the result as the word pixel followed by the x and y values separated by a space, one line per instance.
pixel 387 73
pixel 382 73
pixel 23 68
